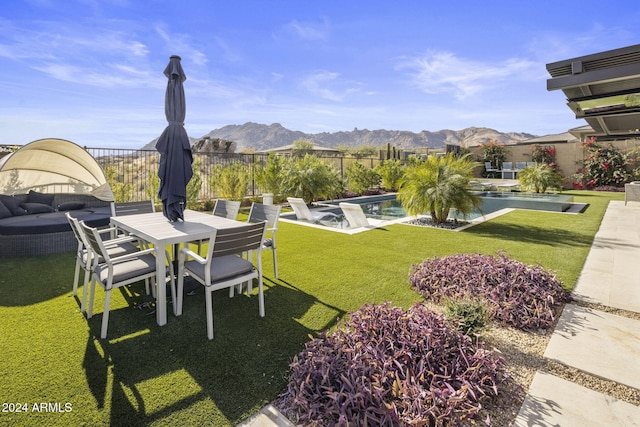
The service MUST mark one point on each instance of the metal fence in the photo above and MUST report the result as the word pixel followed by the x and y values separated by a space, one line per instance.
pixel 136 169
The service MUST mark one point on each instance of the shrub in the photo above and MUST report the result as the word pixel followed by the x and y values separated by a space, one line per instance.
pixel 604 165
pixel 468 315
pixel 362 178
pixel 311 179
pixel 269 177
pixel 539 177
pixel 523 296
pixel 230 182
pixel 391 172
pixel 385 366
pixel 544 155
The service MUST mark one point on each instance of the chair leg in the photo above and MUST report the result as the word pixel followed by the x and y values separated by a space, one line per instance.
pixel 76 276
pixel 83 303
pixel 260 296
pixel 275 263
pixel 105 314
pixel 209 305
pixel 179 293
pixel 93 292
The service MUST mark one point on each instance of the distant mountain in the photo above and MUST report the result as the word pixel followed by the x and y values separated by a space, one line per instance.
pixel 264 137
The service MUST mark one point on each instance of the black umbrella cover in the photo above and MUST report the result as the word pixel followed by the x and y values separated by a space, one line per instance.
pixel 175 170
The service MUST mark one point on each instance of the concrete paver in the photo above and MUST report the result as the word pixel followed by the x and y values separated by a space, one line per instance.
pixel 553 402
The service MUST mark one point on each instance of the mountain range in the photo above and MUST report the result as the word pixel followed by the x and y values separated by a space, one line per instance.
pixel 263 137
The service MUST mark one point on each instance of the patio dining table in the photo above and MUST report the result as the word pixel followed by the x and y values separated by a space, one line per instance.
pixel 156 229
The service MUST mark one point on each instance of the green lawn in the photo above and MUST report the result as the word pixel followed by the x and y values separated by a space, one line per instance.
pixel 172 375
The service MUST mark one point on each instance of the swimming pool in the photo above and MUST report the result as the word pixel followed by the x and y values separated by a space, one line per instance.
pixel 386 209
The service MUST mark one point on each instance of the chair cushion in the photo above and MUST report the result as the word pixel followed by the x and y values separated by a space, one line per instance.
pixel 127 270
pixel 36 208
pixel 36 197
pixel 222 268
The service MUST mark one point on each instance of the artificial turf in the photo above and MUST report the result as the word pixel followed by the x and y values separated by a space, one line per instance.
pixel 144 374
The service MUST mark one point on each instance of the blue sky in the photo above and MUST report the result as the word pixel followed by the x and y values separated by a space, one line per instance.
pixel 91 71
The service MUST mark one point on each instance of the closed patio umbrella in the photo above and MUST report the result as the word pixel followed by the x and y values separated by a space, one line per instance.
pixel 175 169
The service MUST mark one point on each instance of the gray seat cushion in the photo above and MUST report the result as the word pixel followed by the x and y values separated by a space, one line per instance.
pixel 222 268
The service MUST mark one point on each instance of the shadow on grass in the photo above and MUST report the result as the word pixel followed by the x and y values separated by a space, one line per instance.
pixel 531 234
pixel 158 371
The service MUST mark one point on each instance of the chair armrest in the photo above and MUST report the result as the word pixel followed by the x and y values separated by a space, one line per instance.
pixel 133 255
pixel 186 252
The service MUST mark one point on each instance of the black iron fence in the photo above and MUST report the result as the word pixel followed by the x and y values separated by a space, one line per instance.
pixel 136 169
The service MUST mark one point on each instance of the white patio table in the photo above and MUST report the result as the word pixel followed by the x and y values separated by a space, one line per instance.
pixel 155 228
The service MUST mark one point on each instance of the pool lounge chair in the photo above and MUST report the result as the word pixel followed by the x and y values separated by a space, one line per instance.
pixel 354 215
pixel 303 212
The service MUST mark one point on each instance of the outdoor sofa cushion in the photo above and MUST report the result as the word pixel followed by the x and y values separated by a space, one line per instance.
pixel 36 197
pixel 53 222
pixel 4 211
pixel 13 204
pixel 36 208
pixel 71 206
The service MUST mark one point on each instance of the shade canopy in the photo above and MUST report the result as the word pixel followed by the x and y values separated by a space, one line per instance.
pixel 53 166
pixel 603 89
pixel 175 170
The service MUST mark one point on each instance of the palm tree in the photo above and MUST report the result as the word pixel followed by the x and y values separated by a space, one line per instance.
pixel 539 177
pixel 438 184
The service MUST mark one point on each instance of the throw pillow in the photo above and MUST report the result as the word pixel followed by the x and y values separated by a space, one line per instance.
pixel 13 204
pixel 70 206
pixel 35 197
pixel 4 211
pixel 36 208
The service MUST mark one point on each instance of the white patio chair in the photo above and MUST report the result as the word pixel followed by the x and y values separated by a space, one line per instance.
pixel 224 267
pixel 226 208
pixel 303 212
pixel 269 213
pixel 84 255
pixel 223 208
pixel 117 271
pixel 520 166
pixel 354 215
pixel 130 208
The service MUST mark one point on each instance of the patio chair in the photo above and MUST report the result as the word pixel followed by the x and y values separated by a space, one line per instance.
pixel 507 171
pixel 84 255
pixel 269 213
pixel 520 166
pixel 131 208
pixel 118 271
pixel 303 212
pixel 226 208
pixel 224 267
pixel 354 215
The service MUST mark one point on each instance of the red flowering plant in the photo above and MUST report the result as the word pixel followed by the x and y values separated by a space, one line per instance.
pixel 545 154
pixel 603 166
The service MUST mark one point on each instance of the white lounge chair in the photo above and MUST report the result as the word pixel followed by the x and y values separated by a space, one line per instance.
pixel 354 215
pixel 303 212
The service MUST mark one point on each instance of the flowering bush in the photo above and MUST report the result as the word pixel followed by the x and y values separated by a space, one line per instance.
pixel 545 155
pixel 604 166
pixel 494 153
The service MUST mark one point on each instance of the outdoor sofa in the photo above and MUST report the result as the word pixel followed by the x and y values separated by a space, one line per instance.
pixel 35 223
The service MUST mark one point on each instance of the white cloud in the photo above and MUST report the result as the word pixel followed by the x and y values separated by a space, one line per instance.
pixel 308 30
pixel 325 84
pixel 439 72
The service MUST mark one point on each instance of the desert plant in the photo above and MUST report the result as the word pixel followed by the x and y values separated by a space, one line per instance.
pixel 121 191
pixel 387 366
pixel 438 184
pixel 495 153
pixel 194 185
pixel 311 179
pixel 391 172
pixel 361 178
pixel 301 147
pixel 468 315
pixel 230 182
pixel 539 177
pixel 523 296
pixel 270 176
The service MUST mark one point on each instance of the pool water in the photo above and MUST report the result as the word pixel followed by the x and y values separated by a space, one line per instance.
pixel 387 207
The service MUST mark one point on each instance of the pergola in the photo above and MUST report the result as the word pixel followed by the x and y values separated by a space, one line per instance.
pixel 604 89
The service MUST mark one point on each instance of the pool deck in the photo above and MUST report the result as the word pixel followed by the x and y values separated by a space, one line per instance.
pixel 590 340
